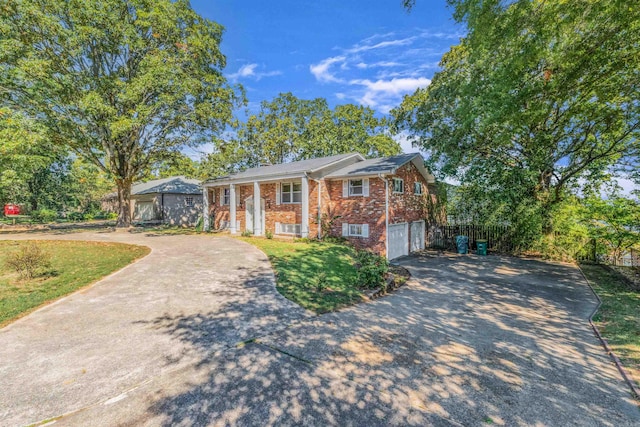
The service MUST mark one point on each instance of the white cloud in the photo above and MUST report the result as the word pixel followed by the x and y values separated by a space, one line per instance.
pixel 385 94
pixel 380 45
pixel 248 71
pixel 321 70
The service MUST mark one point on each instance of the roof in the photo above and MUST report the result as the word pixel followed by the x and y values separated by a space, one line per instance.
pixel 383 165
pixel 299 167
pixel 171 185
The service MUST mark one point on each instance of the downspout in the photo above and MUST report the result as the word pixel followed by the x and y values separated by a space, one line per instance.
pixel 319 217
pixel 386 214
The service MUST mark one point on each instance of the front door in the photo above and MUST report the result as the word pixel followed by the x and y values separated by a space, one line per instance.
pixel 248 203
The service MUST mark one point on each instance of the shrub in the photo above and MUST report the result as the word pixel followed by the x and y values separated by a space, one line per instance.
pixel 371 269
pixel 28 260
pixel 44 215
pixel 320 282
pixel 75 216
pixel 246 233
pixel 112 215
pixel 88 217
pixel 268 234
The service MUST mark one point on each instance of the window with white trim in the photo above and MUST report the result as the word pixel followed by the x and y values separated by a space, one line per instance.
pixel 226 197
pixel 189 201
pixel 355 187
pixel 355 230
pixel 417 188
pixel 291 192
pixel 398 185
pixel 294 229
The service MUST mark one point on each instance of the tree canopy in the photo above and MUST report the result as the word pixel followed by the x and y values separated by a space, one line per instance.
pixel 537 99
pixel 121 83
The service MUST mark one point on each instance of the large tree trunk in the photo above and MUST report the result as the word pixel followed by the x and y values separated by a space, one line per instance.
pixel 124 203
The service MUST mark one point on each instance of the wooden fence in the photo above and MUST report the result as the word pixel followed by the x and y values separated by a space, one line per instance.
pixel 497 237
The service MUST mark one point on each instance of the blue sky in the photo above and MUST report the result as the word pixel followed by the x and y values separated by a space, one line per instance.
pixel 364 52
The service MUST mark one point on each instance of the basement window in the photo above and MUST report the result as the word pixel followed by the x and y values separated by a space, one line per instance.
pixel 189 201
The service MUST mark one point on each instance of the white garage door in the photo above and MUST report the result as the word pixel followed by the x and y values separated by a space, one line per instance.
pixel 144 211
pixel 417 236
pixel 398 240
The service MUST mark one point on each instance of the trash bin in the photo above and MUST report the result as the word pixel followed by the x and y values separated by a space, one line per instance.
pixel 482 247
pixel 462 242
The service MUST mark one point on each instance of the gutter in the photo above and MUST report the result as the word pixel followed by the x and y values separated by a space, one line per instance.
pixel 386 214
pixel 635 390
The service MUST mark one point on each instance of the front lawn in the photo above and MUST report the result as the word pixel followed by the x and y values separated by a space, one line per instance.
pixel 618 318
pixel 73 266
pixel 299 266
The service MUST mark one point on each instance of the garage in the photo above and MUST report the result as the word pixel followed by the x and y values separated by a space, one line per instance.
pixel 417 236
pixel 398 239
pixel 144 211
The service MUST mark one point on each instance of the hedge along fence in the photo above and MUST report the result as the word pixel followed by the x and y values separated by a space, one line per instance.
pixel 498 237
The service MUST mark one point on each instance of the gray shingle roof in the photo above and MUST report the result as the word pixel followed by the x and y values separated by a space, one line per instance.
pixel 301 166
pixel 171 185
pixel 375 166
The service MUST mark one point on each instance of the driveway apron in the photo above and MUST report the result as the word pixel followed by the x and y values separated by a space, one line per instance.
pixel 189 299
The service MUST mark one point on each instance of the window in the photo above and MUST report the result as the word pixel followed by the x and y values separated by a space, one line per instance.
pixel 398 185
pixel 226 196
pixel 355 187
pixel 417 188
pixel 189 201
pixel 294 229
pixel 355 229
pixel 291 193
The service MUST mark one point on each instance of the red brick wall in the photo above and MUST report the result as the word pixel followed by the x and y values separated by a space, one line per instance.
pixel 360 210
pixel 405 207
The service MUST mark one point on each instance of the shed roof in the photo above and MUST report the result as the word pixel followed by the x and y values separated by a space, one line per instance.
pixel 171 185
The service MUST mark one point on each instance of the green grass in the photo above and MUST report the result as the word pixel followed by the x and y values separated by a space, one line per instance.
pixel 298 265
pixel 73 266
pixel 619 316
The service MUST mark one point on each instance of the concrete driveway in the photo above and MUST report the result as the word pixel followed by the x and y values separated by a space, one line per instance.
pixel 192 298
pixel 470 341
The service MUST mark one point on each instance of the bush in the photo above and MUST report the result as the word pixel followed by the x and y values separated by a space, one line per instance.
pixel 44 215
pixel 268 234
pixel 112 215
pixel 88 217
pixel 246 233
pixel 75 216
pixel 371 269
pixel 321 282
pixel 28 260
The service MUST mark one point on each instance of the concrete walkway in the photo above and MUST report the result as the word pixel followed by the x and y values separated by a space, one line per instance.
pixel 190 299
pixel 470 342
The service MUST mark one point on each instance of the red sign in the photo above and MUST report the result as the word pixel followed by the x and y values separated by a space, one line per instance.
pixel 11 209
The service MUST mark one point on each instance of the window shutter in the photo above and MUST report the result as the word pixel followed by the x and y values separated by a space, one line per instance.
pixel 277 198
pixel 277 223
pixel 365 230
pixel 345 188
pixel 221 196
pixel 345 229
pixel 237 196
pixel 365 187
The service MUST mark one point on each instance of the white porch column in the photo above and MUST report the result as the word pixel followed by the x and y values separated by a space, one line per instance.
pixel 232 209
pixel 206 223
pixel 304 226
pixel 257 211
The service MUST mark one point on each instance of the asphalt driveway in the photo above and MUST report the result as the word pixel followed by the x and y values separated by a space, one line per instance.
pixel 470 341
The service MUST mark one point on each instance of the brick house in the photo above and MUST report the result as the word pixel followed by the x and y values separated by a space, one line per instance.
pixel 378 204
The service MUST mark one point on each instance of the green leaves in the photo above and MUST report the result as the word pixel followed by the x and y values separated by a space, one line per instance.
pixel 538 98
pixel 121 83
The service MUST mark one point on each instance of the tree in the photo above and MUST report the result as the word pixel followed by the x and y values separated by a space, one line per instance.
pixel 122 83
pixel 538 98
pixel 289 129
pixel 615 221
